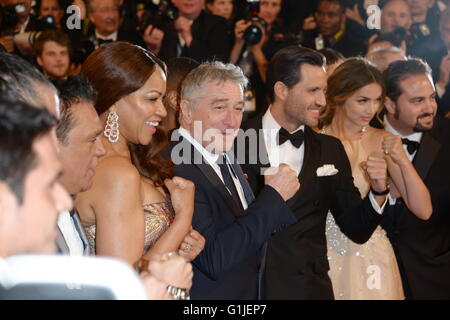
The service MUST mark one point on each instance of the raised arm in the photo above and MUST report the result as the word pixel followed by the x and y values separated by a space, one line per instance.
pixel 406 179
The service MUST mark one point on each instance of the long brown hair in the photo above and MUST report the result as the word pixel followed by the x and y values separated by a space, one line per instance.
pixel 350 76
pixel 117 70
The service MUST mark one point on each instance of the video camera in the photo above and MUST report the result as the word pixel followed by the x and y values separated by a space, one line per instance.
pixel 158 13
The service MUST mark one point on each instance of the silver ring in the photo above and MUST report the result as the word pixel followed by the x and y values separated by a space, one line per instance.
pixel 187 248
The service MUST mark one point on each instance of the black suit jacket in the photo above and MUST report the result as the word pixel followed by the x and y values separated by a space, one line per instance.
pixel 210 40
pixel 228 266
pixel 297 265
pixel 423 247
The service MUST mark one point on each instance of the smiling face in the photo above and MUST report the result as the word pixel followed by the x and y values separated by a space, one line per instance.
pixel 105 16
pixel 141 111
pixel 83 148
pixel 362 105
pixel 218 107
pixel 303 102
pixel 415 108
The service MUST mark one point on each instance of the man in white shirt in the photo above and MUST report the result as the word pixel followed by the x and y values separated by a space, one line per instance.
pixel 80 147
pixel 422 247
pixel 297 265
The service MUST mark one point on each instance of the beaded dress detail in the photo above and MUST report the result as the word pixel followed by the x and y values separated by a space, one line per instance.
pixel 368 271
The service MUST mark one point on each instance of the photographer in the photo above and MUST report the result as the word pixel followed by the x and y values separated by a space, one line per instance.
pixel 252 55
pixel 51 8
pixel 195 34
pixel 15 18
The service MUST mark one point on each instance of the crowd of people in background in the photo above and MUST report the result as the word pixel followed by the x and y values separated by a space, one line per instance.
pixel 343 195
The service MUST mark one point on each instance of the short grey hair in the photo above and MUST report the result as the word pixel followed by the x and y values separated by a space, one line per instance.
pixel 211 72
pixel 379 56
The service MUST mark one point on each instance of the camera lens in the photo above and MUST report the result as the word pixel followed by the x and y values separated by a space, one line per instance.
pixel 253 34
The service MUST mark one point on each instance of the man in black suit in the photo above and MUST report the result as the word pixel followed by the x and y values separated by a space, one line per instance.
pixel 335 31
pixel 196 34
pixel 422 247
pixel 234 223
pixel 105 17
pixel 296 264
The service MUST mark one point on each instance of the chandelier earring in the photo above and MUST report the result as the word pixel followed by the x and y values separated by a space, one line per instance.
pixel 112 127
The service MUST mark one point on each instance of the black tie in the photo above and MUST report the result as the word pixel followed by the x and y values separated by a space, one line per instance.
pixel 228 180
pixel 296 138
pixel 411 146
pixel 103 41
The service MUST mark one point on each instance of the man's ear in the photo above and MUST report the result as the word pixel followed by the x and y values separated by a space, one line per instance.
pixel 39 61
pixel 390 105
pixel 280 90
pixel 186 111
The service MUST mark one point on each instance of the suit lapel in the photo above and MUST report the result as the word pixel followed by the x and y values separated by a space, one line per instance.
pixel 311 157
pixel 427 152
pixel 211 175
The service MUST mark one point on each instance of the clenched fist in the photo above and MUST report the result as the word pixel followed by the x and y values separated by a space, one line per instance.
pixel 283 179
pixel 376 168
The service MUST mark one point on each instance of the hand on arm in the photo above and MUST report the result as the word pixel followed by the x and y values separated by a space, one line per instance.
pixel 406 179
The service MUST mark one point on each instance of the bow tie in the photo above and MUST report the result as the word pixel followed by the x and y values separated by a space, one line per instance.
pixel 103 41
pixel 411 146
pixel 296 138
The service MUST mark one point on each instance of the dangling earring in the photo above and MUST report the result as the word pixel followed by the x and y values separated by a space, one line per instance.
pixel 112 127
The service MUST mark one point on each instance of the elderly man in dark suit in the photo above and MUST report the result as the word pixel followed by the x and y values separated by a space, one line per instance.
pixel 296 262
pixel 234 223
pixel 422 247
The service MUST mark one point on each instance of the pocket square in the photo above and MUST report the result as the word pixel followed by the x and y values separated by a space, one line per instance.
pixel 326 170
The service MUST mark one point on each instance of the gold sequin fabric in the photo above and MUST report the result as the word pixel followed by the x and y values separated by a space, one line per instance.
pixel 158 217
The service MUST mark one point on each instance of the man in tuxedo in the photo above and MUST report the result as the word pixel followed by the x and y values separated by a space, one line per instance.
pixel 234 223
pixel 334 30
pixel 296 263
pixel 195 34
pixel 422 247
pixel 80 146
pixel 105 17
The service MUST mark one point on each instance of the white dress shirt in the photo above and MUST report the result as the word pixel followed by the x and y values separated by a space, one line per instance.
pixel 416 136
pixel 211 159
pixel 70 233
pixel 289 154
pixel 285 153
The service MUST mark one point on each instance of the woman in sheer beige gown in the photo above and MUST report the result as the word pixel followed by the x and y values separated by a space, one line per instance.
pixel 355 94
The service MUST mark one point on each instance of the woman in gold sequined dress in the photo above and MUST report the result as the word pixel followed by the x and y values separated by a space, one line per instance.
pixel 354 95
pixel 135 209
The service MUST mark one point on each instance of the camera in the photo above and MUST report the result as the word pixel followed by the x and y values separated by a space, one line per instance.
pixel 45 23
pixel 158 13
pixel 9 18
pixel 253 34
